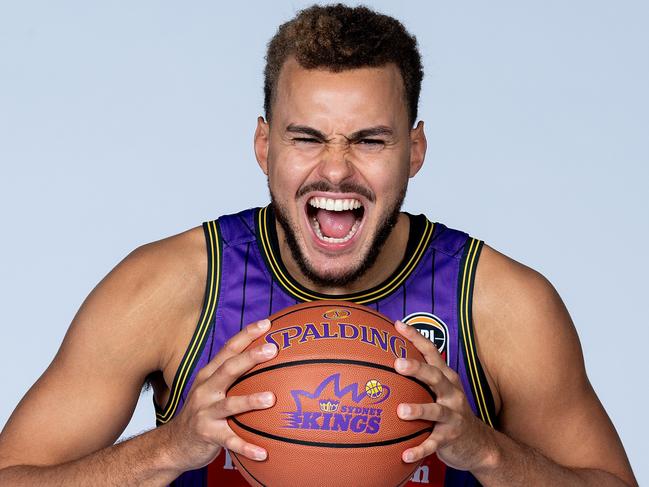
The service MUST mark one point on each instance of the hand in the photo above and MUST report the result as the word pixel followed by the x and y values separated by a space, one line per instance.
pixel 200 430
pixel 459 438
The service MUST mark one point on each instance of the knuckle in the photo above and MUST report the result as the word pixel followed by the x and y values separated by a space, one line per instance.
pixel 422 450
pixel 459 422
pixel 199 395
pixel 416 366
pixel 202 423
pixel 454 434
pixel 437 411
pixel 207 435
pixel 253 402
pixel 230 442
pixel 229 406
pixel 229 368
pixel 430 446
pixel 416 452
pixel 206 372
pixel 229 346
pixel 254 354
pixel 456 401
pixel 206 432
pixel 427 344
pixel 416 411
pixel 453 377
pixel 435 375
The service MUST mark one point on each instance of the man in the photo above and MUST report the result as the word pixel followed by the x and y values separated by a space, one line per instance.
pixel 338 145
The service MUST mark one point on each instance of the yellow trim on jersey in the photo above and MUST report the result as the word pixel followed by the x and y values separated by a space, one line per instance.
pixel 187 363
pixel 466 294
pixel 362 298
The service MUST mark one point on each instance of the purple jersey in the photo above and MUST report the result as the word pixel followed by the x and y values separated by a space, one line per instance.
pixel 431 290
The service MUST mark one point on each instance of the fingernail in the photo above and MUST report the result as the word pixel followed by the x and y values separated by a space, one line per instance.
pixel 260 455
pixel 405 410
pixel 266 398
pixel 408 456
pixel 263 324
pixel 401 363
pixel 268 349
pixel 401 325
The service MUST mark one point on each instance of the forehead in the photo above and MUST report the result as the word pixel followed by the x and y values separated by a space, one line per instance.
pixel 354 97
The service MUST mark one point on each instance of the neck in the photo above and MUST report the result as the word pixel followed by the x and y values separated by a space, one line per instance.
pixel 389 258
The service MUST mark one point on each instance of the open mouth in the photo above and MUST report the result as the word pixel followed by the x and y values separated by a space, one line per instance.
pixel 335 221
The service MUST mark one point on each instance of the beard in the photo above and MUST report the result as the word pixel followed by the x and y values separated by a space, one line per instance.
pixel 331 279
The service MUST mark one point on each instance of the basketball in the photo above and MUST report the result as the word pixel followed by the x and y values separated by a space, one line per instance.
pixel 335 420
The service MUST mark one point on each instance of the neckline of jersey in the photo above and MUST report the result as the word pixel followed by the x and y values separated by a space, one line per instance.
pixel 421 231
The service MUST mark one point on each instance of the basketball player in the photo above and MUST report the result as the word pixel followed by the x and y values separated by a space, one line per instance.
pixel 338 144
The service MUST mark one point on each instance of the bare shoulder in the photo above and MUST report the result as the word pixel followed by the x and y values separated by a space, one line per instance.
pixel 506 287
pixel 520 320
pixel 170 262
pixel 514 304
pixel 157 284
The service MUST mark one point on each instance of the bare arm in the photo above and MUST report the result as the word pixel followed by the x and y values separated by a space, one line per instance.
pixel 63 430
pixel 553 429
pixel 143 460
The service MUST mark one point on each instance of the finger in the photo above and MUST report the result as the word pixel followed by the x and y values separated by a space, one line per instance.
pixel 421 343
pixel 234 405
pixel 237 365
pixel 241 447
pixel 428 350
pixel 235 345
pixel 416 453
pixel 430 412
pixel 429 374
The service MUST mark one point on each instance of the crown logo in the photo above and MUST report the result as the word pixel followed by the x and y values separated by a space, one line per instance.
pixel 329 406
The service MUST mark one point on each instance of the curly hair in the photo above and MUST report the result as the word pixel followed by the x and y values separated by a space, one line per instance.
pixel 338 38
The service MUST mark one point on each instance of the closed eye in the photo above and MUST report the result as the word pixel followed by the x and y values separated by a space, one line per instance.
pixel 371 142
pixel 308 140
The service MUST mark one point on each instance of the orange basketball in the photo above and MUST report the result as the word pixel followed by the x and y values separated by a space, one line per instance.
pixel 335 421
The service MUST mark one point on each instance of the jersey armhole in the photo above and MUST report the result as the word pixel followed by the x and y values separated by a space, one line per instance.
pixel 205 320
pixel 479 385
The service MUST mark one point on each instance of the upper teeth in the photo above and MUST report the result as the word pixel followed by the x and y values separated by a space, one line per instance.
pixel 335 205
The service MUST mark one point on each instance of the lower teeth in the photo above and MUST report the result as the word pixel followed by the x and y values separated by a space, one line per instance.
pixel 318 232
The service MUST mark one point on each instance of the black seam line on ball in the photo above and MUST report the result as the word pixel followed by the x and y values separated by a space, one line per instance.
pixel 323 444
pixel 405 479
pixel 247 471
pixel 332 361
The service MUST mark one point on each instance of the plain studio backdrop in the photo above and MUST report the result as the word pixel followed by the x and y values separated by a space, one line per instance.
pixel 125 122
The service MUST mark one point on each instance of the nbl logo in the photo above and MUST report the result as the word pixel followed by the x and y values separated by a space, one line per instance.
pixel 432 328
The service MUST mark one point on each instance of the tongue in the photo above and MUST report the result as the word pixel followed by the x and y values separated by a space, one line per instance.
pixel 336 224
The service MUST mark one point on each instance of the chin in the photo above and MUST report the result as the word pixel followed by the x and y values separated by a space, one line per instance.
pixel 338 271
pixel 338 243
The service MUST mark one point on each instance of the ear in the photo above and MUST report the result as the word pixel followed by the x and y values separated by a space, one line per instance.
pixel 418 146
pixel 262 133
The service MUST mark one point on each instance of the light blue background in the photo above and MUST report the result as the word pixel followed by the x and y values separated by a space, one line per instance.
pixel 124 122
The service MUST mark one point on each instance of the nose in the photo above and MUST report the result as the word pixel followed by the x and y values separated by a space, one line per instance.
pixel 336 165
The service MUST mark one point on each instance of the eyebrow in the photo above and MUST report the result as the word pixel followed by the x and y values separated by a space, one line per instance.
pixel 306 130
pixel 354 137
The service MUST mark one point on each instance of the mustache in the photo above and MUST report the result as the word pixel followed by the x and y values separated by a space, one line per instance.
pixel 341 188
